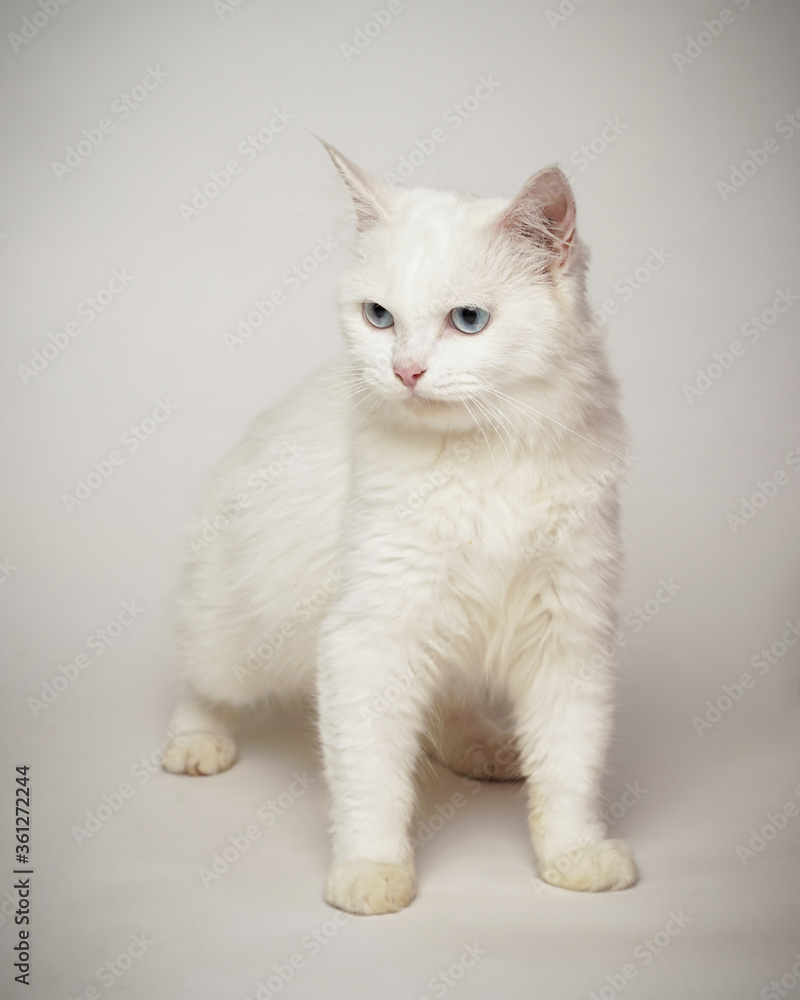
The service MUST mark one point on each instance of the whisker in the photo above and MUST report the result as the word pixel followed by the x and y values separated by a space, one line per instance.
pixel 557 422
pixel 558 455
pixel 377 399
pixel 492 424
pixel 513 402
pixel 506 424
pixel 478 425
pixel 362 385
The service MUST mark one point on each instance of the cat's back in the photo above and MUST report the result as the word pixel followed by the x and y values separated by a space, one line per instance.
pixel 304 434
pixel 267 529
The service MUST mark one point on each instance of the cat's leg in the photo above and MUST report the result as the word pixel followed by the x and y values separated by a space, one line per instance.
pixel 201 735
pixel 463 740
pixel 373 695
pixel 563 735
pixel 564 715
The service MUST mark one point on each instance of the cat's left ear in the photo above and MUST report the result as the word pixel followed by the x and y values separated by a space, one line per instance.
pixel 544 213
pixel 372 198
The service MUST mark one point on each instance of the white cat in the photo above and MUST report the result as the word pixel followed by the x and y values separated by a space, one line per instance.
pixel 424 527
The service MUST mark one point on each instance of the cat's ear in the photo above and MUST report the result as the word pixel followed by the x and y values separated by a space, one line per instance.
pixel 544 214
pixel 371 197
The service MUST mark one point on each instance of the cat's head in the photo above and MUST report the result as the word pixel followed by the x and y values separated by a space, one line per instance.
pixel 455 307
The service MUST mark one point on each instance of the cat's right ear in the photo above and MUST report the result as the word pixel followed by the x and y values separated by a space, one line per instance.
pixel 372 198
pixel 543 215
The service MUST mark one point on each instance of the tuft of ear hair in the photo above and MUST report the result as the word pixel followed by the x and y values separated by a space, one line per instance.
pixel 543 213
pixel 372 199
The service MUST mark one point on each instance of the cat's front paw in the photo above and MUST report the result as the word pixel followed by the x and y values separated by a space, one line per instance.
pixel 199 753
pixel 600 867
pixel 368 888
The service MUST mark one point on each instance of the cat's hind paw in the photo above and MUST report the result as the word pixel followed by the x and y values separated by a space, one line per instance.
pixel 604 866
pixel 496 758
pixel 368 888
pixel 199 754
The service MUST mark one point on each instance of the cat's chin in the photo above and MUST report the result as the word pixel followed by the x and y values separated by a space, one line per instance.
pixel 447 416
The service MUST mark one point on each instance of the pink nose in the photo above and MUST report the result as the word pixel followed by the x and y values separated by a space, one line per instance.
pixel 409 375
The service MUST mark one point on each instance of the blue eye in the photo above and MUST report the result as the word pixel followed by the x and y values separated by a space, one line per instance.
pixel 469 319
pixel 378 316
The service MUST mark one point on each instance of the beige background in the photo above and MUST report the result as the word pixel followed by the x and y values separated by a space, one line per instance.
pixel 142 395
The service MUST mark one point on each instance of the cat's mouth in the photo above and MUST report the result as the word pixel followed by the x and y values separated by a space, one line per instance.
pixel 421 404
pixel 416 397
pixel 421 400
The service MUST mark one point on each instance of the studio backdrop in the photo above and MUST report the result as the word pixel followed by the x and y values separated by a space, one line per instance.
pixel 170 245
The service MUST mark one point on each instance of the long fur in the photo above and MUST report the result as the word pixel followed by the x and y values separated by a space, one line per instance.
pixel 367 520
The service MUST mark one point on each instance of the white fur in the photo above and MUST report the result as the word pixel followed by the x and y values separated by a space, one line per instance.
pixel 413 552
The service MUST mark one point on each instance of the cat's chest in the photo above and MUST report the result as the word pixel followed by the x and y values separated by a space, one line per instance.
pixel 464 496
